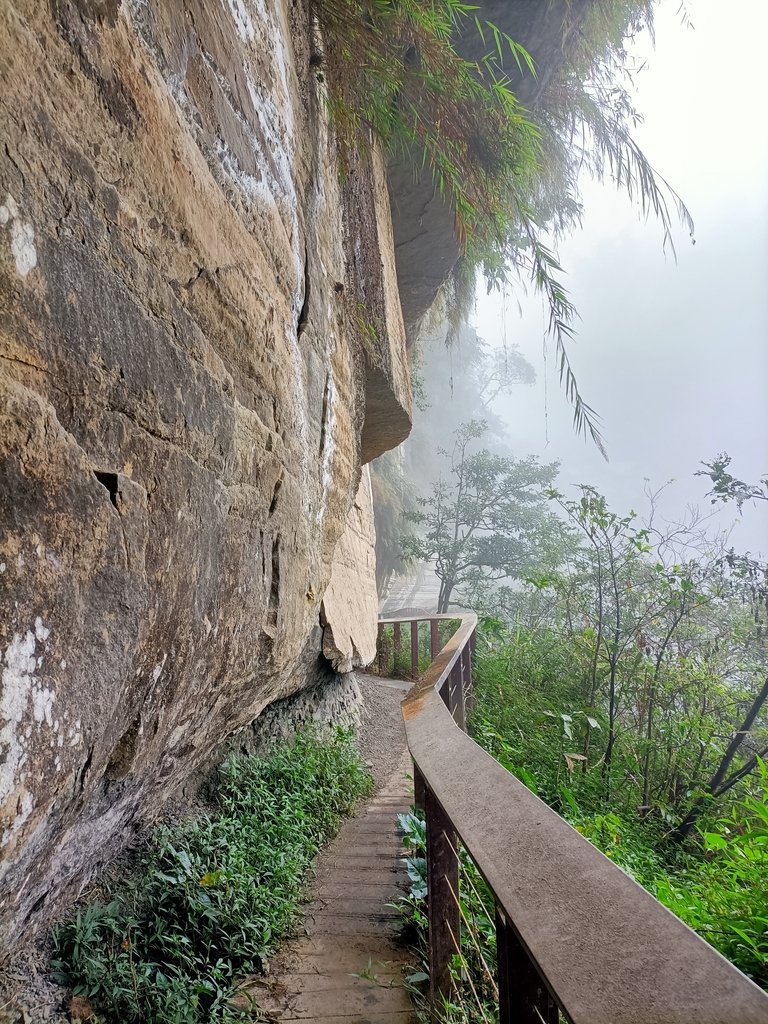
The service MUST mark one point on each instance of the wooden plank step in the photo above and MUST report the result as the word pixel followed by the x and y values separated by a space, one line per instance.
pixel 368 925
pixel 387 974
pixel 362 869
pixel 375 826
pixel 396 1017
pixel 357 949
pixel 352 905
pixel 338 889
pixel 387 960
pixel 355 1001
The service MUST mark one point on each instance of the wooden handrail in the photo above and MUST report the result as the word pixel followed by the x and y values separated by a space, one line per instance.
pixel 574 932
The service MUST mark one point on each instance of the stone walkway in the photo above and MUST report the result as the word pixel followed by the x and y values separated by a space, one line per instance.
pixel 347 965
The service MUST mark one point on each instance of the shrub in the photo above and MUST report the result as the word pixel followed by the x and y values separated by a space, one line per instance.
pixel 527 714
pixel 724 896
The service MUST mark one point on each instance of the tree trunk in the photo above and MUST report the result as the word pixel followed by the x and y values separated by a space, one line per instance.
pixel 611 728
pixel 614 662
pixel 444 598
pixel 718 784
pixel 648 741
pixel 599 638
pixel 652 704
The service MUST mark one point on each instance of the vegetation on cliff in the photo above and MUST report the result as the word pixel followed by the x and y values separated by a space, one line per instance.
pixel 510 175
pixel 212 896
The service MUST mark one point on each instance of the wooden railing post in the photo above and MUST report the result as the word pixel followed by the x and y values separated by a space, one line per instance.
pixel 523 998
pixel 467 657
pixel 395 647
pixel 434 638
pixel 419 790
pixel 458 710
pixel 415 648
pixel 380 649
pixel 442 894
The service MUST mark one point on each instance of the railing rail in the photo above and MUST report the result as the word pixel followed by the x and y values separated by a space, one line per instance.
pixel 574 932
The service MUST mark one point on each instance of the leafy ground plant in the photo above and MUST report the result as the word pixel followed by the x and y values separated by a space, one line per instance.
pixel 725 895
pixel 212 896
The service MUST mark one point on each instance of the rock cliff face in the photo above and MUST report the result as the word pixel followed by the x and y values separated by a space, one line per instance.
pixel 187 392
pixel 351 604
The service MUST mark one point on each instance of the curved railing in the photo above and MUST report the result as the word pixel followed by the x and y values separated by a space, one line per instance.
pixel 575 934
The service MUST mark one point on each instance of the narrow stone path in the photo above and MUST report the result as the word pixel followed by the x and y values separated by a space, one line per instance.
pixel 347 965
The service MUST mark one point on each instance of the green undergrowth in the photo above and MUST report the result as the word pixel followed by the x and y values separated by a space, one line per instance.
pixel 717 882
pixel 212 896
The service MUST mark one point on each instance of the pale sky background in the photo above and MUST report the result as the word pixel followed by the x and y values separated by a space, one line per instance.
pixel 673 356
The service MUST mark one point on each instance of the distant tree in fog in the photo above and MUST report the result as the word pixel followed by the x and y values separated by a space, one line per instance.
pixel 485 520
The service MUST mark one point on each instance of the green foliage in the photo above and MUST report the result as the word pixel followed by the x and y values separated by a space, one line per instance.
pixel 212 896
pixel 724 896
pixel 726 487
pixel 479 524
pixel 530 713
pixel 395 71
pixel 630 842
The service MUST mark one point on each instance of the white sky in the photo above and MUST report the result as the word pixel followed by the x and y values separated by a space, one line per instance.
pixel 673 356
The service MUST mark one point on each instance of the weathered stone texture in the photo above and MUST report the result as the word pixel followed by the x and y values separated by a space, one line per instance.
pixel 182 398
pixel 351 604
pixel 332 702
pixel 387 423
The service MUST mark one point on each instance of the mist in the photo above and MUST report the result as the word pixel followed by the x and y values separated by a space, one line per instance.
pixel 672 352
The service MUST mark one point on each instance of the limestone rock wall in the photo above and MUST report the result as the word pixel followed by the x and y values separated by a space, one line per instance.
pixel 183 394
